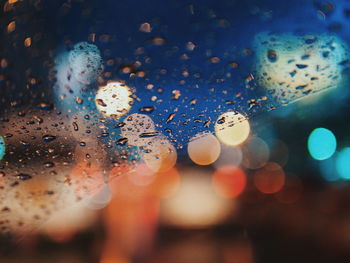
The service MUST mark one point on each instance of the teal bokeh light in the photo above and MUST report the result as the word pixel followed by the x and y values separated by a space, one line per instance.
pixel 2 147
pixel 322 144
pixel 343 163
pixel 328 169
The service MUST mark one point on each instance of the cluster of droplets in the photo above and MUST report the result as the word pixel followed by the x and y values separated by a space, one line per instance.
pixel 290 67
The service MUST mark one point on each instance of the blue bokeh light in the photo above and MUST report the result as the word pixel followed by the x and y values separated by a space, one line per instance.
pixel 343 163
pixel 2 147
pixel 328 169
pixel 322 144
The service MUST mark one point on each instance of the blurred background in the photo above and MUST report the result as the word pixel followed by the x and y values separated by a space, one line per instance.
pixel 174 131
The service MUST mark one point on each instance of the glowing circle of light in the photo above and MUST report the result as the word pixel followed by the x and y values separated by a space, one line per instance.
pixel 195 203
pixel 232 128
pixel 230 155
pixel 166 184
pixel 134 126
pixel 256 153
pixel 270 178
pixel 85 62
pixel 159 155
pixel 114 99
pixel 100 199
pixel 204 149
pixel 321 144
pixel 229 181
pixel 86 179
pixel 2 147
pixel 291 67
pixel 328 167
pixel 141 175
pixel 342 163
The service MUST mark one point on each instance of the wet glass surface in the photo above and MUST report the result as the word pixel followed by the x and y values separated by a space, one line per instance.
pixel 93 91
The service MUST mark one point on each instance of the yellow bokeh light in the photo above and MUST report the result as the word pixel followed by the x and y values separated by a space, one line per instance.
pixel 160 155
pixel 204 149
pixel 114 99
pixel 232 128
pixel 195 204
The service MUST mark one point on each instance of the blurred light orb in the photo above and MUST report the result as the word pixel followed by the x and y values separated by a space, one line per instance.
pixel 135 127
pixel 342 163
pixel 279 152
pixel 195 203
pixel 255 153
pixel 2 147
pixel 321 144
pixel 85 62
pixel 159 155
pixel 328 167
pixel 62 225
pixel 86 179
pixel 230 155
pixel 291 67
pixel 100 199
pixel 204 149
pixel 114 99
pixel 270 178
pixel 141 175
pixel 166 184
pixel 229 181
pixel 232 128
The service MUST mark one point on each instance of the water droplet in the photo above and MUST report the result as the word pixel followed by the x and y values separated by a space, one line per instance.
pixel 48 138
pixel 149 109
pixel 23 177
pixel 49 165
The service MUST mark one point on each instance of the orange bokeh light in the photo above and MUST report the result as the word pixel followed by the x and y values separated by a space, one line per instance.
pixel 86 178
pixel 229 181
pixel 140 180
pixel 270 178
pixel 166 184
pixel 119 170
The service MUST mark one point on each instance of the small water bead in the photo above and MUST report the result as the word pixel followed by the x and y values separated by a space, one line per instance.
pixel 23 176
pixel 49 165
pixel 48 138
pixel 148 109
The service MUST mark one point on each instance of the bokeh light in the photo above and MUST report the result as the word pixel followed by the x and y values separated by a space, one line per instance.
pixel 86 179
pixel 328 169
pixel 100 199
pixel 321 144
pixel 290 66
pixel 159 154
pixel 230 155
pixel 270 178
pixel 343 163
pixel 195 204
pixel 229 181
pixel 279 152
pixel 85 62
pixel 2 147
pixel 135 126
pixel 204 149
pixel 232 128
pixel 114 99
pixel 166 184
pixel 255 153
pixel 141 175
